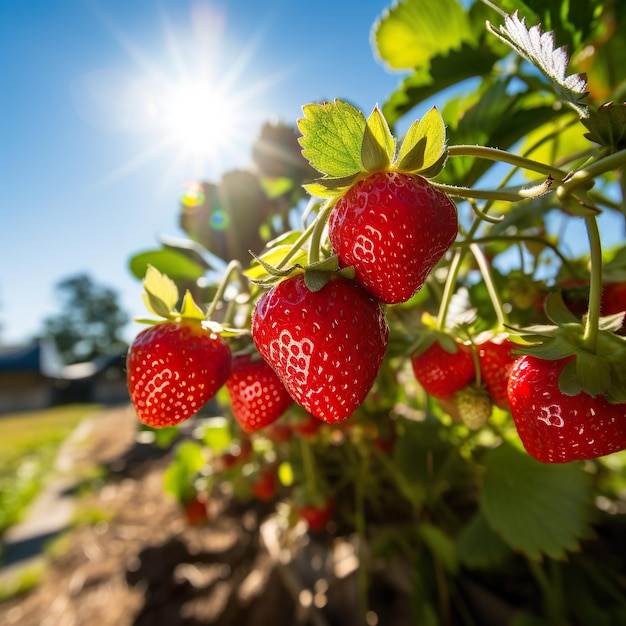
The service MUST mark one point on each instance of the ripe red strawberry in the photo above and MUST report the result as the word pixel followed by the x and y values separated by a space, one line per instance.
pixel 557 428
pixel 393 228
pixel 614 298
pixel 257 396
pixel 443 373
pixel 265 485
pixel 327 346
pixel 174 368
pixel 316 516
pixel 308 426
pixel 496 363
pixel 195 510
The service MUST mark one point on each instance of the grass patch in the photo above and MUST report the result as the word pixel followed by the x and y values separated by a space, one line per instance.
pixel 24 581
pixel 29 442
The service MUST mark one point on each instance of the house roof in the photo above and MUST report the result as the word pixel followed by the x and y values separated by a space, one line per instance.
pixel 20 358
pixel 42 357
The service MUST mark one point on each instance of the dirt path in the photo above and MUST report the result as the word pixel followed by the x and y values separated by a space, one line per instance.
pixel 97 440
pixel 141 564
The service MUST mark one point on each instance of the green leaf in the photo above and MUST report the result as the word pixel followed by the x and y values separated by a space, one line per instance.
pixel 177 265
pixel 273 258
pixel 412 32
pixel 538 48
pixel 440 545
pixel 423 145
pixel 378 148
pixel 491 117
pixel 336 184
pixel 538 509
pixel 319 190
pixel 525 618
pixel 444 71
pixel 179 477
pixel 607 126
pixel 217 435
pixel 479 546
pixel 332 135
pixel 190 310
pixel 557 310
pixel 594 372
pixel 161 293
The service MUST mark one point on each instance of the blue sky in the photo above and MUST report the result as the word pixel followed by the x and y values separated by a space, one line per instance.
pixel 90 174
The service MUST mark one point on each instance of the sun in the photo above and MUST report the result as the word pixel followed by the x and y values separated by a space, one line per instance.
pixel 202 121
pixel 196 104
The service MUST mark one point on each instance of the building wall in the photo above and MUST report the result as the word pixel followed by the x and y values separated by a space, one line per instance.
pixel 24 391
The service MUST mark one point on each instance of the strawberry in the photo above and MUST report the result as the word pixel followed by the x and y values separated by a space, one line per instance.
pixel 474 406
pixel 278 433
pixel 316 516
pixel 195 510
pixel 327 345
pixel 265 486
pixel 308 426
pixel 442 373
pixel 257 395
pixel 496 363
pixel 393 228
pixel 557 428
pixel 174 368
pixel 614 298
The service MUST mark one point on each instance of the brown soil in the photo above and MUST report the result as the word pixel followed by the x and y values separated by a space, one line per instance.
pixel 146 566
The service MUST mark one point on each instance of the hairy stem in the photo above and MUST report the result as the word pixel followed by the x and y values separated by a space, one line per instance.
pixel 590 336
pixel 495 154
pixel 492 290
pixel 231 268
pixel 309 465
pixel 318 229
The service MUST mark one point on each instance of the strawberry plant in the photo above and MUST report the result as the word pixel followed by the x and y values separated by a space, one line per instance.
pixel 437 355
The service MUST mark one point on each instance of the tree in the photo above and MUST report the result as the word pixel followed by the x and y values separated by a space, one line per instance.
pixel 90 322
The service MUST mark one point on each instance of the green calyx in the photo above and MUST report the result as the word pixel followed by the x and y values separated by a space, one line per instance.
pixel 448 340
pixel 316 274
pixel 161 296
pixel 344 146
pixel 597 373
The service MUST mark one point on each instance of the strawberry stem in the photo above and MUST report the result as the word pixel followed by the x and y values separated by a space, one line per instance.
pixel 453 273
pixel 233 266
pixel 522 239
pixel 491 194
pixel 308 465
pixel 318 229
pixel 590 335
pixel 584 176
pixel 495 154
pixel 492 290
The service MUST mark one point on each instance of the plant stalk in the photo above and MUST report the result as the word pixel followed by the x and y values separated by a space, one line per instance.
pixel 590 336
pixel 233 266
pixel 495 154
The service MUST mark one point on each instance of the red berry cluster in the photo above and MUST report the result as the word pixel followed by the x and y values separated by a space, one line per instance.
pixel 328 345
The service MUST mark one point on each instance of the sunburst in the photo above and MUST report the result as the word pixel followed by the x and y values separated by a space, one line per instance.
pixel 190 104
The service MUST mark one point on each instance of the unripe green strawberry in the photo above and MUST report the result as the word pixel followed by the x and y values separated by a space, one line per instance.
pixel 174 369
pixel 393 228
pixel 474 406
